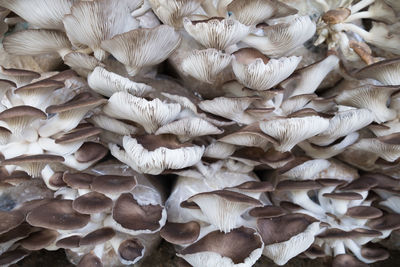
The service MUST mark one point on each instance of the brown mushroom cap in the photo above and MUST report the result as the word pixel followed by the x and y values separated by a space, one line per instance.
pixel 90 260
pixel 130 249
pixel 22 112
pixel 364 212
pixel 229 196
pixel 46 84
pixel 21 231
pixel 289 206
pixel 289 185
pixel 280 229
pixel 361 184
pixel 92 202
pixel 78 135
pixel 335 16
pixel 26 207
pixel 64 75
pixel 78 180
pixel 39 240
pixel 90 151
pixel 44 158
pixel 69 242
pixel 10 220
pixel 254 186
pixel 374 254
pixel 386 222
pixel 330 182
pixel 334 233
pixel 236 245
pixel 248 55
pixel 57 215
pixel 133 216
pixel 343 196
pixel 56 180
pixel 10 257
pixel 346 260
pixel 98 236
pixel 180 233
pixel 266 212
pixel 113 184
pixel 83 100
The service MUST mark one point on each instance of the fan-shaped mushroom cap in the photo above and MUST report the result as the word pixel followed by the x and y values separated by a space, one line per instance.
pixel 91 203
pixel 218 33
pixel 254 71
pixel 130 251
pixel 10 220
pixel 19 76
pixel 364 212
pixel 37 93
pixel 188 128
pixel 11 257
pixel 266 212
pixel 57 215
pixel 132 217
pixel 386 147
pixel 180 233
pixel 78 180
pixel 113 185
pixel 346 260
pixel 172 12
pixel 290 131
pixel 342 124
pixel 39 240
pixel 33 164
pixel 384 71
pixel 240 247
pixel 69 242
pixel 45 14
pixel 90 260
pixel 20 117
pixel 77 134
pixel 150 114
pixel 6 85
pixel 374 254
pixel 82 63
pixel 96 237
pixel 91 22
pixel 253 12
pixel 154 154
pixel 223 208
pixel 386 222
pixel 371 97
pixel 113 125
pixel 281 38
pixel 287 236
pixel 107 83
pixel 40 42
pixel 250 135
pixel 90 152
pixel 205 65
pixel 136 48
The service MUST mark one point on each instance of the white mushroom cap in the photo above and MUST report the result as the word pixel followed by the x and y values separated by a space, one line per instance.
pixel 91 22
pixel 150 114
pixel 113 125
pixel 205 65
pixel 107 83
pixel 290 131
pixel 157 160
pixel 259 75
pixel 142 47
pixel 82 63
pixel 386 147
pixel 40 42
pixel 279 39
pixel 218 33
pixel 46 14
pixel 384 71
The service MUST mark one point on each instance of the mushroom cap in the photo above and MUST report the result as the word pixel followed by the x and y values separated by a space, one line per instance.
pixel 386 222
pixel 180 233
pixel 282 228
pixel 22 111
pixel 266 212
pixel 228 196
pixel 92 202
pixel 39 240
pixel 237 245
pixel 46 85
pixel 113 184
pixel 131 215
pixel 131 249
pixel 44 158
pixel 57 215
pixel 364 212
pixel 98 236
pixel 346 260
pixel 10 257
pixel 254 186
pixel 10 220
pixel 343 195
pixel 90 260
pixel 83 100
pixel 335 16
pixel 374 254
pixel 78 180
pixel 69 242
pixel 77 135
pixel 289 185
pixel 383 71
pixel 90 151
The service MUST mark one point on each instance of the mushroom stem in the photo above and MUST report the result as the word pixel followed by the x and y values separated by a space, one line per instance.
pixel 359 15
pixel 301 198
pixel 339 249
pixel 355 248
pixel 141 10
pixel 324 5
pixel 360 5
pixel 353 28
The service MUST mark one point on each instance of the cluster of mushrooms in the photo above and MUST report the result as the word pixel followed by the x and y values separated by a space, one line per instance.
pixel 231 129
